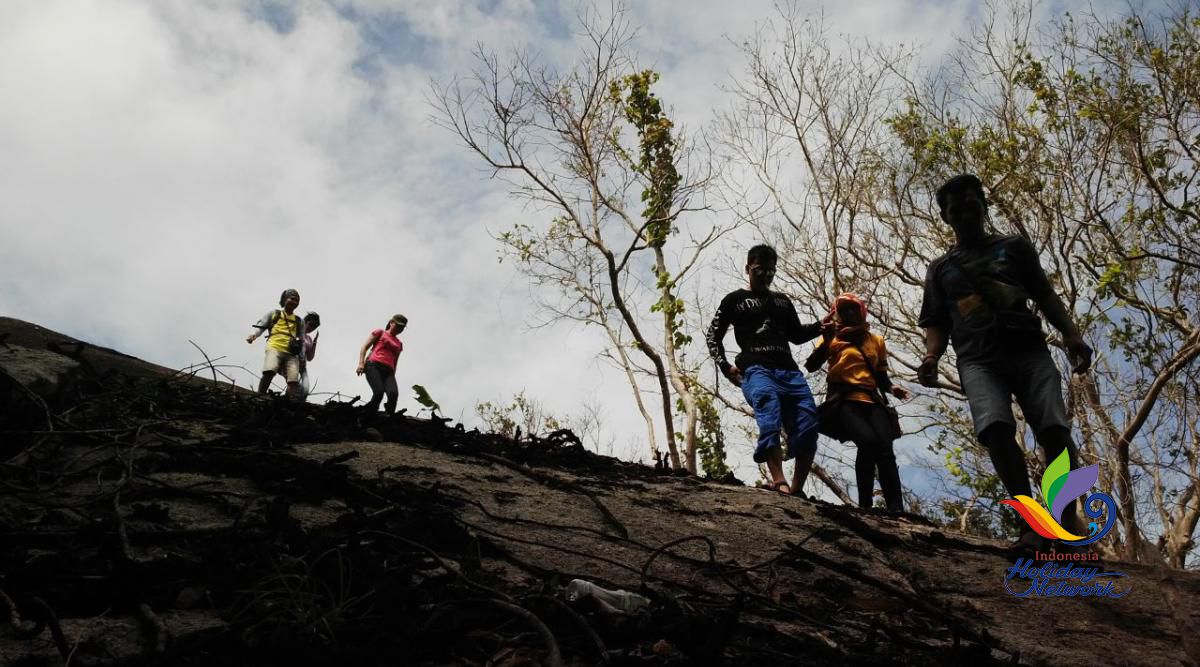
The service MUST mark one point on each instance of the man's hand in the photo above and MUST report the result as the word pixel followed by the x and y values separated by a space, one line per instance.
pixel 1079 352
pixel 360 370
pixel 901 393
pixel 250 338
pixel 734 375
pixel 928 370
pixel 828 328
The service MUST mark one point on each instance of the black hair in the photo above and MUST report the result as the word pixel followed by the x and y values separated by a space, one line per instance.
pixel 761 253
pixel 312 317
pixel 958 184
pixel 284 295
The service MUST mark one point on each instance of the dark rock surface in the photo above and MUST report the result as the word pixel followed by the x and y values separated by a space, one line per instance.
pixel 154 517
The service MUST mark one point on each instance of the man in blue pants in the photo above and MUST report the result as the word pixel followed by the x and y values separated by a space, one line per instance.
pixel 764 323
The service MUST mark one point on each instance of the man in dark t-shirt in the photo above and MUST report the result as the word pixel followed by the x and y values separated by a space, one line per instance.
pixel 764 324
pixel 976 297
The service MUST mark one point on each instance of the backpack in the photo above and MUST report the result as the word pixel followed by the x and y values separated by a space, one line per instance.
pixel 295 340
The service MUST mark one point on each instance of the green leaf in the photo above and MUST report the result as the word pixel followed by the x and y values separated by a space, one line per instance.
pixel 424 399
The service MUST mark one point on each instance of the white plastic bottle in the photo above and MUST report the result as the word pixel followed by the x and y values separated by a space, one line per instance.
pixel 618 601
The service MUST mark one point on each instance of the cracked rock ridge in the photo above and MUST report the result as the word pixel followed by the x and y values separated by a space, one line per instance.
pixel 151 516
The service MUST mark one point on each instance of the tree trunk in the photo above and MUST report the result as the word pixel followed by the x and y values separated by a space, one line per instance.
pixel 1185 356
pixel 832 485
pixel 660 370
pixel 627 366
pixel 691 411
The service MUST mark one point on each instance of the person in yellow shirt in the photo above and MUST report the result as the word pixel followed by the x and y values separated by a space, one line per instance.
pixel 855 408
pixel 285 343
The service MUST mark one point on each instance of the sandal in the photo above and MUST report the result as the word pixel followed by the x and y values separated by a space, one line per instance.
pixel 780 486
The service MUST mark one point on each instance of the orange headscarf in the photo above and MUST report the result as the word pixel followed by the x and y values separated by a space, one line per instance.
pixel 850 333
pixel 852 298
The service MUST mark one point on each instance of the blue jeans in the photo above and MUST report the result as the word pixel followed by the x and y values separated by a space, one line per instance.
pixel 782 401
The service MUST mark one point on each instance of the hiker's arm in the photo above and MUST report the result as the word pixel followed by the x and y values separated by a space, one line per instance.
pixel 362 353
pixel 1058 317
pixel 820 353
pixel 799 334
pixel 260 327
pixel 882 379
pixel 885 379
pixel 1039 287
pixel 714 337
pixel 886 386
pixel 936 339
pixel 818 357
pixel 1056 313
pixel 935 320
pixel 806 332
pixel 310 348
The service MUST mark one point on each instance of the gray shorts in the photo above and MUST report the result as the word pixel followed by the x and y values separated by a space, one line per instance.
pixel 1032 378
pixel 287 365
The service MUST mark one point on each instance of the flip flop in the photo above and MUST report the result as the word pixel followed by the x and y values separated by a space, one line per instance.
pixel 780 486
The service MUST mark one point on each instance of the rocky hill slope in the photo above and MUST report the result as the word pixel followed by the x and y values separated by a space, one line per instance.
pixel 155 517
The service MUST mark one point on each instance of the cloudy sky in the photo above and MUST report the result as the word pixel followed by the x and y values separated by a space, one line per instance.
pixel 167 167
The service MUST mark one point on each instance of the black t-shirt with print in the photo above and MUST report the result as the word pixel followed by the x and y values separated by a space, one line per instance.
pixel 763 325
pixel 980 296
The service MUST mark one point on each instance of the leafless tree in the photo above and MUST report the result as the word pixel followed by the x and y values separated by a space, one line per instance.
pixel 808 110
pixel 1085 132
pixel 592 150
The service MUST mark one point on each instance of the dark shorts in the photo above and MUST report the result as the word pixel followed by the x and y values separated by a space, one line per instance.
pixel 782 401
pixel 1032 378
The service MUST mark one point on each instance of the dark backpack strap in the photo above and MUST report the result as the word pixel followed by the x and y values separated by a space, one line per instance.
pixel 295 333
pixel 976 281
pixel 270 323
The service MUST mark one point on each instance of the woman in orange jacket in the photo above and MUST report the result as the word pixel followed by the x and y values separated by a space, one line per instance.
pixel 858 377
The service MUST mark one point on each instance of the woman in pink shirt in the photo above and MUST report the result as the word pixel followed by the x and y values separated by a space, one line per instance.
pixel 380 367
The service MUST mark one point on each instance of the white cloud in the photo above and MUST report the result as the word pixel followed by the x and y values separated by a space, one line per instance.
pixel 167 168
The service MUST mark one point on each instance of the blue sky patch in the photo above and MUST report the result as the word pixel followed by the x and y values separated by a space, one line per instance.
pixel 280 16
